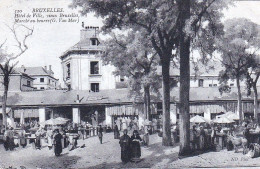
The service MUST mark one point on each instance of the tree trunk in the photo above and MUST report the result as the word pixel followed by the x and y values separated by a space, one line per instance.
pixel 166 141
pixel 4 102
pixel 239 102
pixel 255 103
pixel 147 102
pixel 184 82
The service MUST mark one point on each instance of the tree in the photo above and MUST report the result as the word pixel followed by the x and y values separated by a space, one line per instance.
pixel 6 65
pixel 238 47
pixel 134 58
pixel 161 21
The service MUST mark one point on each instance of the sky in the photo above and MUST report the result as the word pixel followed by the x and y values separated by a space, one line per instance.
pixel 51 40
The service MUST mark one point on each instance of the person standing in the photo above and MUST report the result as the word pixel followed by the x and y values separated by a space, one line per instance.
pixel 38 139
pixel 57 143
pixel 146 136
pixel 116 132
pixel 193 138
pixel 6 139
pixel 23 141
pixel 100 133
pixel 125 147
pixel 49 136
pixel 246 134
pixel 213 135
pixel 135 146
pixel 202 135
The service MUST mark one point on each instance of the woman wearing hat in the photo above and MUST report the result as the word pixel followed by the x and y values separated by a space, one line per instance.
pixel 125 147
pixel 135 146
pixel 57 142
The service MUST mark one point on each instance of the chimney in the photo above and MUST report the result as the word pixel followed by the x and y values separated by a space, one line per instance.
pixel 45 67
pixel 50 68
pixel 88 32
pixel 23 68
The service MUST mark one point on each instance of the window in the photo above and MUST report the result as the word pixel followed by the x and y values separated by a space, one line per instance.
pixel 94 68
pixel 42 88
pixel 41 79
pixel 93 42
pixel 231 84
pixel 122 78
pixel 28 83
pixel 201 82
pixel 210 85
pixel 68 71
pixel 49 81
pixel 94 87
pixel 215 85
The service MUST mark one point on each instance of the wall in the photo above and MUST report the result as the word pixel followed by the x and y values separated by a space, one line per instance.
pixel 38 84
pixel 17 83
pixel 80 73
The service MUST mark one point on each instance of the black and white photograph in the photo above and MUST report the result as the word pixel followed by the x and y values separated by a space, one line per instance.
pixel 129 84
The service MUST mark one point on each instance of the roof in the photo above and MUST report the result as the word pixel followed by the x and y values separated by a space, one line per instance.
pixel 17 73
pixel 113 96
pixel 82 47
pixel 35 71
pixel 212 69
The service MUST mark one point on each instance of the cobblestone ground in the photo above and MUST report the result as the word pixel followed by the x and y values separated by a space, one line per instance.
pixel 107 155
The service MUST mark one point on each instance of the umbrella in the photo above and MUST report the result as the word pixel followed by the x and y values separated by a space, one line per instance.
pixel 62 119
pixel 223 120
pixel 233 116
pixel 197 119
pixel 54 122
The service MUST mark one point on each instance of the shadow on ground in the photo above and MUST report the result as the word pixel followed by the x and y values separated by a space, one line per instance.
pixel 157 155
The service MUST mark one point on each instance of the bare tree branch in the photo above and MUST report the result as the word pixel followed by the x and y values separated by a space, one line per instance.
pixel 22 46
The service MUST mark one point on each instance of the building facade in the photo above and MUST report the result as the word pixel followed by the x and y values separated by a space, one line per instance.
pixel 82 67
pixel 18 82
pixel 43 77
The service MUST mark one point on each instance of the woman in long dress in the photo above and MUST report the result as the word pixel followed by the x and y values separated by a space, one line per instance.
pixel 135 146
pixel 57 143
pixel 49 135
pixel 125 147
pixel 23 141
pixel 38 139
pixel 100 133
pixel 116 132
pixel 202 138
pixel 146 136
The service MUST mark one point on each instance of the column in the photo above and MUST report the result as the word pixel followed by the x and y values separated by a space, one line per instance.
pixel 141 120
pixel 76 115
pixel 108 118
pixel 207 114
pixel 173 117
pixel 42 114
pixel 173 114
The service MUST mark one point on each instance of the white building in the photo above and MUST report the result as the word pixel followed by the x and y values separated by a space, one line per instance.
pixel 43 78
pixel 83 69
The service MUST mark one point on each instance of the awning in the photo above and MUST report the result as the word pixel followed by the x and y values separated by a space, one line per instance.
pixel 213 109
pixel 124 110
pixel 27 113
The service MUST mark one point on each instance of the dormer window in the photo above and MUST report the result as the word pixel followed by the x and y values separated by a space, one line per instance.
pixel 94 41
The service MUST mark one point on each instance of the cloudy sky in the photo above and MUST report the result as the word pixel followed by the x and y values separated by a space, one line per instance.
pixel 49 41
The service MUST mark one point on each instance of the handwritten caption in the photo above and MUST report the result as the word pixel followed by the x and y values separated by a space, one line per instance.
pixel 45 15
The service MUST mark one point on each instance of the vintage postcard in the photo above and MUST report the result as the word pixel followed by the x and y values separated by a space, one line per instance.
pixel 129 84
